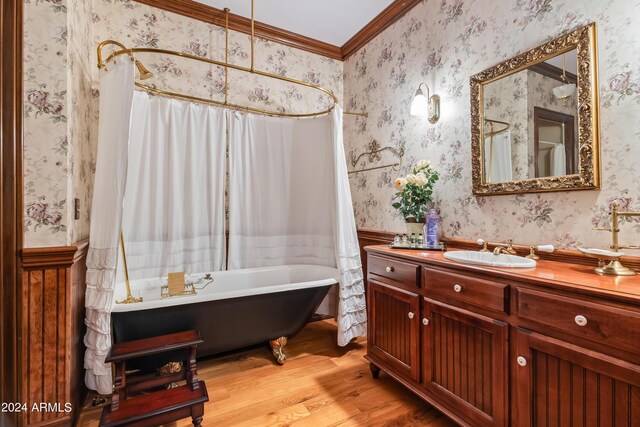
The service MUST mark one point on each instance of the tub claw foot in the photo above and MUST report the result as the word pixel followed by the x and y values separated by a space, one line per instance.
pixel 277 347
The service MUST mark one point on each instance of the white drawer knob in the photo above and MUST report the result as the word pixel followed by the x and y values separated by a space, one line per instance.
pixel 521 361
pixel 425 321
pixel 411 315
pixel 581 320
pixel 389 269
pixel 457 288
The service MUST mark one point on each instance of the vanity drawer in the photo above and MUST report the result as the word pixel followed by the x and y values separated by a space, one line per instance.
pixel 398 271
pixel 617 327
pixel 466 289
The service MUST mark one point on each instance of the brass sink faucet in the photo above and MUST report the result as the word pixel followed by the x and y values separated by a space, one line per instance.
pixel 498 248
pixel 505 250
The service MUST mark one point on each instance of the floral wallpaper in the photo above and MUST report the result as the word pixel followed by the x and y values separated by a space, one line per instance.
pixel 82 122
pixel 443 43
pixel 62 99
pixel 46 142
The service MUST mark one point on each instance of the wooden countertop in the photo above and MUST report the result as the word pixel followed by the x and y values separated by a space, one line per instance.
pixel 554 274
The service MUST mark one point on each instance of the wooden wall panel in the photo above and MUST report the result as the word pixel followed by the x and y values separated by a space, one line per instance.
pixel 11 224
pixel 371 237
pixel 77 330
pixel 52 312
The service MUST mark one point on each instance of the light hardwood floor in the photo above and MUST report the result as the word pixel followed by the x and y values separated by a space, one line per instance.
pixel 319 385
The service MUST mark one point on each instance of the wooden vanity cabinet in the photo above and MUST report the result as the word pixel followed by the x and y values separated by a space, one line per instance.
pixel 560 378
pixel 393 315
pixel 464 362
pixel 560 384
pixel 393 328
pixel 491 351
pixel 450 356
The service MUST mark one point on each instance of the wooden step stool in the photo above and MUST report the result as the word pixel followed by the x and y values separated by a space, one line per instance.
pixel 157 407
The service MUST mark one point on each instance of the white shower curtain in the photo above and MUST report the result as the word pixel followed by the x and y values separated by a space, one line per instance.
pixel 280 181
pixel 172 159
pixel 116 90
pixel 290 203
pixel 174 201
pixel 501 169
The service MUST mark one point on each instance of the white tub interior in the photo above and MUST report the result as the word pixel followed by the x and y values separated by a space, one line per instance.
pixel 228 284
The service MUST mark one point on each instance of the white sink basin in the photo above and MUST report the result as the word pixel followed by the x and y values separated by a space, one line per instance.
pixel 489 259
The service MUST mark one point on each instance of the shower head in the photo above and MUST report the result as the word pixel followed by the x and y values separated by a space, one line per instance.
pixel 142 70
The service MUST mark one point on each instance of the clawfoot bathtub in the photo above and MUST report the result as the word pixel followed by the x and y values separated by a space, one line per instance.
pixel 239 308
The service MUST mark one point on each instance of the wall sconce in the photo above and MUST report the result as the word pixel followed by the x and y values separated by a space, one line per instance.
pixel 426 105
pixel 566 89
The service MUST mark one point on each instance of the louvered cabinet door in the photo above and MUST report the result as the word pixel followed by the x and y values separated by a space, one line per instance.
pixel 465 363
pixel 393 329
pixel 560 384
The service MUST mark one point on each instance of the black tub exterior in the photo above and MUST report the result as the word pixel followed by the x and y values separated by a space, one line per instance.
pixel 224 325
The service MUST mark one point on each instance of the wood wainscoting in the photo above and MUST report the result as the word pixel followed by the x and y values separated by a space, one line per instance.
pixel 372 237
pixel 11 222
pixel 52 331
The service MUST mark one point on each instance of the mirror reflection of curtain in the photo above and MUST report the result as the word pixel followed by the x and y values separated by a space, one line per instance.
pixel 558 160
pixel 497 157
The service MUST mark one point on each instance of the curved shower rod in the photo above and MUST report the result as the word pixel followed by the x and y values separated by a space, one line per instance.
pixel 145 74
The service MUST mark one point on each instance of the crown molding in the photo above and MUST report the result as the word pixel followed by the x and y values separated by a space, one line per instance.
pixel 553 72
pixel 215 16
pixel 391 14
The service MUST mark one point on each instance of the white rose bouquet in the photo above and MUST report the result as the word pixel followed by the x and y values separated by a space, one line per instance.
pixel 414 191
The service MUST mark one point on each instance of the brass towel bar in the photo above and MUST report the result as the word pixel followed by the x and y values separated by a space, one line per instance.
pixel 374 154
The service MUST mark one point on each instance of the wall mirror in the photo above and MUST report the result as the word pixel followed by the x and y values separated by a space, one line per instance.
pixel 534 119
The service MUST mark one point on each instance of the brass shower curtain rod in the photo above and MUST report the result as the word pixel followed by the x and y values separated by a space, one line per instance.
pixel 492 132
pixel 146 74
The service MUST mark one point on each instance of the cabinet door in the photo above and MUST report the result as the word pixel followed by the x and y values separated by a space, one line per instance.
pixel 393 329
pixel 464 363
pixel 560 384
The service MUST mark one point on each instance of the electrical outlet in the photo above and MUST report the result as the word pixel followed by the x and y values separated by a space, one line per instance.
pixel 76 208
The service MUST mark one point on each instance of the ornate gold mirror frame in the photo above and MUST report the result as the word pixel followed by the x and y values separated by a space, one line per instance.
pixel 583 40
